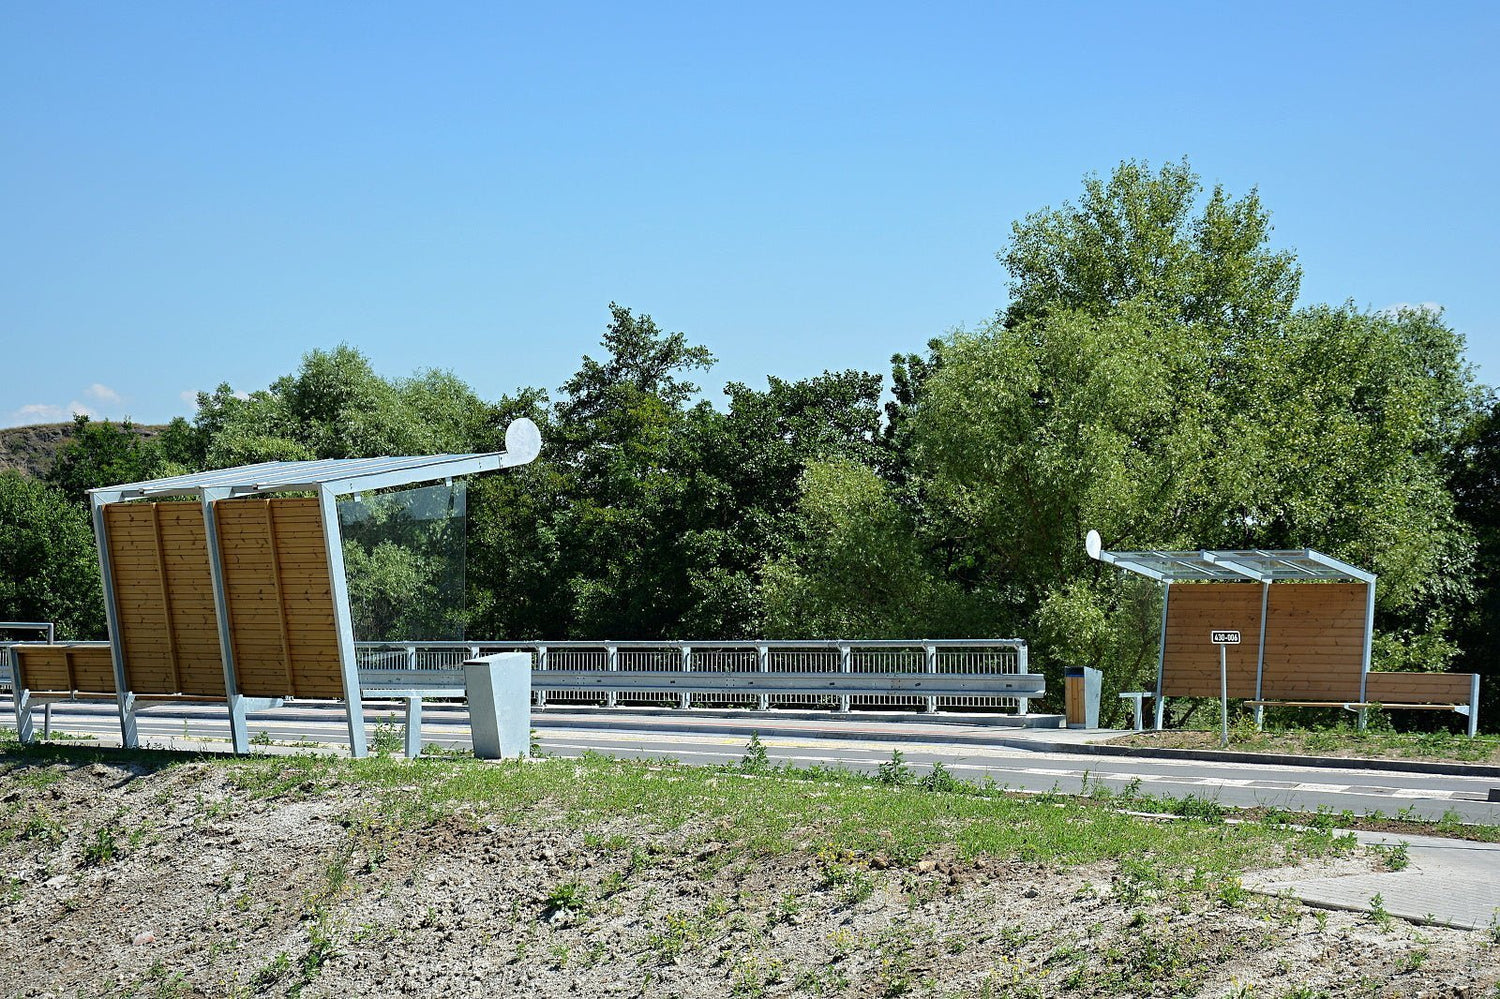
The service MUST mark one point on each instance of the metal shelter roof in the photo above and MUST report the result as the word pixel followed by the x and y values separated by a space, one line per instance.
pixel 340 476
pixel 1257 565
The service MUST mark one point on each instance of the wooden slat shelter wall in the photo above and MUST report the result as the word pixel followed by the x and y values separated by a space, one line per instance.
pixel 1190 664
pixel 63 669
pixel 164 598
pixel 280 598
pixel 1315 640
pixel 1419 688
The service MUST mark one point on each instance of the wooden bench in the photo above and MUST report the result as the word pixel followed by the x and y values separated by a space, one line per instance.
pixel 1456 692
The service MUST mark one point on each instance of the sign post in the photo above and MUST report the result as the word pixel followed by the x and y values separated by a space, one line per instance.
pixel 1224 639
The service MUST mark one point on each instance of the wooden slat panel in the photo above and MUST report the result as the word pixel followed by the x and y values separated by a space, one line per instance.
pixel 1191 664
pixel 281 599
pixel 1419 688
pixel 1315 642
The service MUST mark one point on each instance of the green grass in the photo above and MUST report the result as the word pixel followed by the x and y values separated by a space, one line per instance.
pixel 1337 738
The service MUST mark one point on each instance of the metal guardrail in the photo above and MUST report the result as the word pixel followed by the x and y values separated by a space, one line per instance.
pixel 49 635
pixel 839 675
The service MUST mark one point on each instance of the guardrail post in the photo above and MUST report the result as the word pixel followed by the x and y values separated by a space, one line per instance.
pixel 685 699
pixel 612 654
pixel 1023 665
pixel 539 696
pixel 763 663
pixel 929 656
pixel 845 666
pixel 411 657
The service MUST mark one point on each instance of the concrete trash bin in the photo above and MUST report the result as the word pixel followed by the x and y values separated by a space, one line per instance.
pixel 1082 687
pixel 498 689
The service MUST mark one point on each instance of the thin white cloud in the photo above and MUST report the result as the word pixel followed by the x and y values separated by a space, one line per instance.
pixel 189 396
pixel 103 393
pixel 46 412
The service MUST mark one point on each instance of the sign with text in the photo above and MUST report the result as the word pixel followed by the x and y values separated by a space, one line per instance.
pixel 1224 637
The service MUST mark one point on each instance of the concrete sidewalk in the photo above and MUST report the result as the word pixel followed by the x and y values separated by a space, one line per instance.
pixel 1448 882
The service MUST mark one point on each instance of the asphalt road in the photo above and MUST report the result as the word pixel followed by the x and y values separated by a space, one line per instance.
pixel 852 742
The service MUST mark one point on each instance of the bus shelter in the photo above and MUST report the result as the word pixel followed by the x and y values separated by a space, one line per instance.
pixel 229 586
pixel 1305 621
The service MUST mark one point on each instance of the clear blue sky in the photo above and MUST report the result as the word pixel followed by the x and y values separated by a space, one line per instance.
pixel 200 192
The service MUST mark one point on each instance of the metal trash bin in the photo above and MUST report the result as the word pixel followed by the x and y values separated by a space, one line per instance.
pixel 1082 687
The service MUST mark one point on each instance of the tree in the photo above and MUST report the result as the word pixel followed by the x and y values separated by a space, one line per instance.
pixel 1139 237
pixel 1474 476
pixel 1151 380
pixel 855 567
pixel 51 565
pixel 101 453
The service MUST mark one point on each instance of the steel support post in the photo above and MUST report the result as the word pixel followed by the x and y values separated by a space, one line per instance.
pixel 685 699
pixel 539 696
pixel 359 746
pixel 929 657
pixel 1364 672
pixel 1161 658
pixel 1223 695
pixel 413 727
pixel 21 697
pixel 763 663
pixel 1260 659
pixel 1473 705
pixel 845 666
pixel 1023 665
pixel 239 734
pixel 124 702
pixel 612 657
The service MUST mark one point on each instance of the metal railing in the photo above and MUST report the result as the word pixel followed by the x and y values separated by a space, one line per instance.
pixel 46 629
pixel 805 667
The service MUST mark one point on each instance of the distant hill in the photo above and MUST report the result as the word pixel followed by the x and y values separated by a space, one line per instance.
pixel 32 449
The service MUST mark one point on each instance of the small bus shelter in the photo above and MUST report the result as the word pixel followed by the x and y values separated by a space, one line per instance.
pixel 229 586
pixel 1306 621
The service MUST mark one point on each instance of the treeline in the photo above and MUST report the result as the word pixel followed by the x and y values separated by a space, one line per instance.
pixel 1151 376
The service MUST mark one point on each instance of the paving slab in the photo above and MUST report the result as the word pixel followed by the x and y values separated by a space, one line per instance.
pixel 1448 882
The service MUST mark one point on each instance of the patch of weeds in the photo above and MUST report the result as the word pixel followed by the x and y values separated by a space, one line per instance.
pixel 41 828
pixel 894 771
pixel 1194 807
pixel 941 779
pixel 1378 914
pixel 262 738
pixel 1413 960
pixel 322 946
pixel 569 896
pixel 786 910
pixel 1232 892
pixel 386 740
pixel 1394 858
pixel 668 943
pixel 756 759
pixel 273 971
pixel 102 848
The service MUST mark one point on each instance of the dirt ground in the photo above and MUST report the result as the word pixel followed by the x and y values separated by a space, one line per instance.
pixel 124 880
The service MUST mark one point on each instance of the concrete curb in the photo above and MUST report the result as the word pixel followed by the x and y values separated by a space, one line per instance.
pixel 1270 759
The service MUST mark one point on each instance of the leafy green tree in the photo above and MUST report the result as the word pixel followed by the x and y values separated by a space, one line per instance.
pixel 1133 387
pixel 1474 470
pixel 51 568
pixel 1144 237
pixel 100 453
pixel 855 567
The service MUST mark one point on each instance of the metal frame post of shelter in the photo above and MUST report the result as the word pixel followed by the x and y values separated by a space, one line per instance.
pixel 1312 645
pixel 241 596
